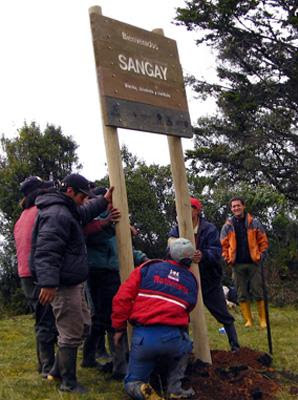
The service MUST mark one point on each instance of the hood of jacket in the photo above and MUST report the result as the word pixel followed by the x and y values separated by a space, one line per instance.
pixel 57 198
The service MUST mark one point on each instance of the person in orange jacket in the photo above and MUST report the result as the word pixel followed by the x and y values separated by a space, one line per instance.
pixel 244 246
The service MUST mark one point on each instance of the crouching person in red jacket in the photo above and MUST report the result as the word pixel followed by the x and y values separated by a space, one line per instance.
pixel 157 299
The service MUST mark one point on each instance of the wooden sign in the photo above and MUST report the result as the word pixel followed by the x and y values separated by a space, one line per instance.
pixel 140 78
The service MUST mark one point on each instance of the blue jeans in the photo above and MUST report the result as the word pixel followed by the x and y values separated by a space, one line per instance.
pixel 149 343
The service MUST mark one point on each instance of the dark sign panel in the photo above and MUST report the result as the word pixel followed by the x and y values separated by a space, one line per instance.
pixel 140 78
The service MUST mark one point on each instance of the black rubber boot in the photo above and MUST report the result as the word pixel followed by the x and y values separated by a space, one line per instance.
pixel 101 351
pixel 67 360
pixel 119 357
pixel 232 336
pixel 54 374
pixel 46 357
pixel 39 366
pixel 89 352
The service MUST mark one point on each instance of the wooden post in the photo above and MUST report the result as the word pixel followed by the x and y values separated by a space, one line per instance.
pixel 116 176
pixel 198 321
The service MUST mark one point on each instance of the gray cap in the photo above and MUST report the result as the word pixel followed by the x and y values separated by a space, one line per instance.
pixel 181 249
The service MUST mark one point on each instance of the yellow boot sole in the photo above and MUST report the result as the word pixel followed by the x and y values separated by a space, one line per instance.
pixel 149 393
pixel 52 378
pixel 248 324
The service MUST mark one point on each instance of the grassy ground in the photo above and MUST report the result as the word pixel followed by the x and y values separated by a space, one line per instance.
pixel 20 381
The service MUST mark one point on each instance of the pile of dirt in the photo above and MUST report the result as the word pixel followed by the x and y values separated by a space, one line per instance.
pixel 243 375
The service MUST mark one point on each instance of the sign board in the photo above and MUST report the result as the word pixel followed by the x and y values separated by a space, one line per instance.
pixel 140 78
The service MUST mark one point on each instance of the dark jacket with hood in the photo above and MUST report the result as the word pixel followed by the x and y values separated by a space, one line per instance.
pixel 207 241
pixel 59 255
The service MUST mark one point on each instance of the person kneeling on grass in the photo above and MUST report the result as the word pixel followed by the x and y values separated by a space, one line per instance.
pixel 157 299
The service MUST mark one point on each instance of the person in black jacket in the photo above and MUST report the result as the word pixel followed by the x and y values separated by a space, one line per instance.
pixel 59 265
pixel 208 255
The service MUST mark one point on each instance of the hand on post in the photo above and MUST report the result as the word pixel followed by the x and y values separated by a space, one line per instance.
pixel 112 218
pixel 134 231
pixel 109 195
pixel 197 257
pixel 115 215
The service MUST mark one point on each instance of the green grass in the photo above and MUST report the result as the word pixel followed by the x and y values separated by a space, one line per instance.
pixel 20 381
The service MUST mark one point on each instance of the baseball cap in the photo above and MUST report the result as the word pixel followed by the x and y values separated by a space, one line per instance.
pixel 78 182
pixel 181 249
pixel 32 183
pixel 196 203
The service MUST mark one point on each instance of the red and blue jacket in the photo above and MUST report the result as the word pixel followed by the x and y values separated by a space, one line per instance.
pixel 159 292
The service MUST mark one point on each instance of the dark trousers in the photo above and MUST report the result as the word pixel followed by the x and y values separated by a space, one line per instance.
pixel 103 284
pixel 214 300
pixel 45 327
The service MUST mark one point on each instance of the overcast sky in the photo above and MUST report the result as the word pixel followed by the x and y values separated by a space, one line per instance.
pixel 47 71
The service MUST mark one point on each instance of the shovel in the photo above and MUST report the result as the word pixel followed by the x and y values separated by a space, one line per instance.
pixel 265 294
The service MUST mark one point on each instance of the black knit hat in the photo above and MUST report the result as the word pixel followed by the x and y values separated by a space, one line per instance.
pixel 33 183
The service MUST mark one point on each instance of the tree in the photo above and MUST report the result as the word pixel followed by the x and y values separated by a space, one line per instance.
pixel 253 137
pixel 31 152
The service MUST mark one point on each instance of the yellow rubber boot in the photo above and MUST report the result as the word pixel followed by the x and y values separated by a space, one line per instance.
pixel 149 393
pixel 262 314
pixel 245 309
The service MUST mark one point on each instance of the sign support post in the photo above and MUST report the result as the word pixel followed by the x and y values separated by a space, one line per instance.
pixel 116 176
pixel 141 87
pixel 198 321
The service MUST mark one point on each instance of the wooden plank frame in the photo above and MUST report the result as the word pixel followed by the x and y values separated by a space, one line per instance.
pixel 139 75
pixel 116 175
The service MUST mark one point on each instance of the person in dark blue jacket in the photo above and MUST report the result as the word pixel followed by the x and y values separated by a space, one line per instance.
pixel 208 255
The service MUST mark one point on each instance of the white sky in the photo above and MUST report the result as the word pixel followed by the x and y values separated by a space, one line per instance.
pixel 47 71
